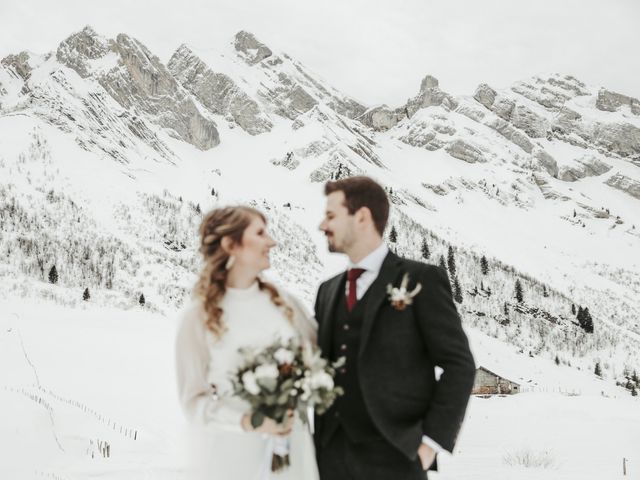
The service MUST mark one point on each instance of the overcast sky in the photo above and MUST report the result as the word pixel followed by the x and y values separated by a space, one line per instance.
pixel 376 51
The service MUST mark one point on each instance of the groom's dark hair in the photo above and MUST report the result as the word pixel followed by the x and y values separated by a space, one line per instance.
pixel 361 192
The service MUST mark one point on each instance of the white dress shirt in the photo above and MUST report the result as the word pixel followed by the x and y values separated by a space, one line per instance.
pixel 371 265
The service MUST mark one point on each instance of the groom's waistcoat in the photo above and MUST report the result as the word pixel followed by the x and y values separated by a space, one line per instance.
pixel 349 410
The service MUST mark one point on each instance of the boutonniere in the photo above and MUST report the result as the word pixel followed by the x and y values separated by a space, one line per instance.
pixel 400 297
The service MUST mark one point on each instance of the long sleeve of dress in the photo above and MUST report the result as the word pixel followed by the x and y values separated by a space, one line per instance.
pixel 196 395
pixel 303 319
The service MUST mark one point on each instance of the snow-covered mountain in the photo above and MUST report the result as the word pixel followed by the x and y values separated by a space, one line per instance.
pixel 109 156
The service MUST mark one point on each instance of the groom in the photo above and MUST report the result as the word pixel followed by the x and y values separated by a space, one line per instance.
pixel 394 416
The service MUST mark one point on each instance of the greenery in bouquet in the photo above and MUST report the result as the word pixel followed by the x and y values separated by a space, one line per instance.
pixel 287 375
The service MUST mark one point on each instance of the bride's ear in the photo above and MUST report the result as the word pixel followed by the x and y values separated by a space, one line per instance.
pixel 227 245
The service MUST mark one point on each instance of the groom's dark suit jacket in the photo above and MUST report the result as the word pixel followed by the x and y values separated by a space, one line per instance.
pixel 397 353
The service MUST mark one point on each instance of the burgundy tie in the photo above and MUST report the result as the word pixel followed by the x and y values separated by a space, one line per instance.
pixel 352 276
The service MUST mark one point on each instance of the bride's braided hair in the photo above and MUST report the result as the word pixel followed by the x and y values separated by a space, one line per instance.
pixel 211 285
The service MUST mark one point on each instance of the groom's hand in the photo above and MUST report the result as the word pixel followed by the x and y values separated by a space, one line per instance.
pixel 427 455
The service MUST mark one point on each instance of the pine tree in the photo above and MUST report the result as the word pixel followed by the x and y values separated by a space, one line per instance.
pixel 442 263
pixel 85 295
pixel 557 360
pixel 584 319
pixel 598 370
pixel 141 300
pixel 573 309
pixel 53 275
pixel 574 213
pixel 634 391
pixel 457 291
pixel 484 265
pixel 213 192
pixel 451 261
pixel 393 234
pixel 635 378
pixel 588 321
pixel 545 293
pixel 519 296
pixel 198 211
pixel 424 249
pixel 506 309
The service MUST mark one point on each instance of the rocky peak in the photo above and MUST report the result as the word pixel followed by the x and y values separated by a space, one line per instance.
pixel 147 71
pixel 428 82
pixel 217 92
pixel 430 95
pixel 250 49
pixel 136 78
pixel 78 49
pixel 20 64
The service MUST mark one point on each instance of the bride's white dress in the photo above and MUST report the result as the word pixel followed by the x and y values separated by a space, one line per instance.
pixel 219 448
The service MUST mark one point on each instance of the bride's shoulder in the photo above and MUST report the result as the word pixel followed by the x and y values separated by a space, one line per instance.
pixel 292 298
pixel 192 312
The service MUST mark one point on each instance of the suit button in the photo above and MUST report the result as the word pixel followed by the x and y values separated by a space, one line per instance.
pixel 343 347
pixel 343 371
pixel 346 327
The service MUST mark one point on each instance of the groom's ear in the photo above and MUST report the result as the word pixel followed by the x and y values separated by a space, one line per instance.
pixel 363 215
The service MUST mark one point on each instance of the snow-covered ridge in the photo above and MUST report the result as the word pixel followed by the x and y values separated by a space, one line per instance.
pixel 122 154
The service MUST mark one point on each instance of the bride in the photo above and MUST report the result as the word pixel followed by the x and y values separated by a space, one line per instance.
pixel 231 308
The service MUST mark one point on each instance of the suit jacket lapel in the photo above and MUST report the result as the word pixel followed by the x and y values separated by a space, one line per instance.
pixel 389 272
pixel 334 289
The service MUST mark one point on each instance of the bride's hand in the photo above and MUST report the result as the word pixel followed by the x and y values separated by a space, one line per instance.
pixel 270 426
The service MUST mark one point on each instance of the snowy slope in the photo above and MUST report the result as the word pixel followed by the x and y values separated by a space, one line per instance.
pixel 80 375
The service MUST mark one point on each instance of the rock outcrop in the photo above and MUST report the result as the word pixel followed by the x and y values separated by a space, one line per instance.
pixel 19 64
pixel 587 166
pixel 430 95
pixel 217 92
pixel 250 49
pixel 620 138
pixel 381 118
pixel 465 151
pixel 610 102
pixel 625 184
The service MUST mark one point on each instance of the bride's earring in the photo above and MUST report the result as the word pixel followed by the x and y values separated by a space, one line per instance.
pixel 230 262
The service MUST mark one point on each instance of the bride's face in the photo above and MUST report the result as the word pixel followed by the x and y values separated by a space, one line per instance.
pixel 253 252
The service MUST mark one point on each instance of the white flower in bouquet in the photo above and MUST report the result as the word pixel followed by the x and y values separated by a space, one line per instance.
pixel 305 386
pixel 267 370
pixel 321 379
pixel 250 383
pixel 284 356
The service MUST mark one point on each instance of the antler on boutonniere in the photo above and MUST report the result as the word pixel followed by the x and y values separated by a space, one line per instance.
pixel 400 297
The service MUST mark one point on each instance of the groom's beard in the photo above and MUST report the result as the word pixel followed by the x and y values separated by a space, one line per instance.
pixel 334 247
pixel 330 245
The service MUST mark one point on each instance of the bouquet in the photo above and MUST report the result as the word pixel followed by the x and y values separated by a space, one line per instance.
pixel 282 377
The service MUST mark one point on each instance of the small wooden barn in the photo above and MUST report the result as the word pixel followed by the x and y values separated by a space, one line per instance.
pixel 489 383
